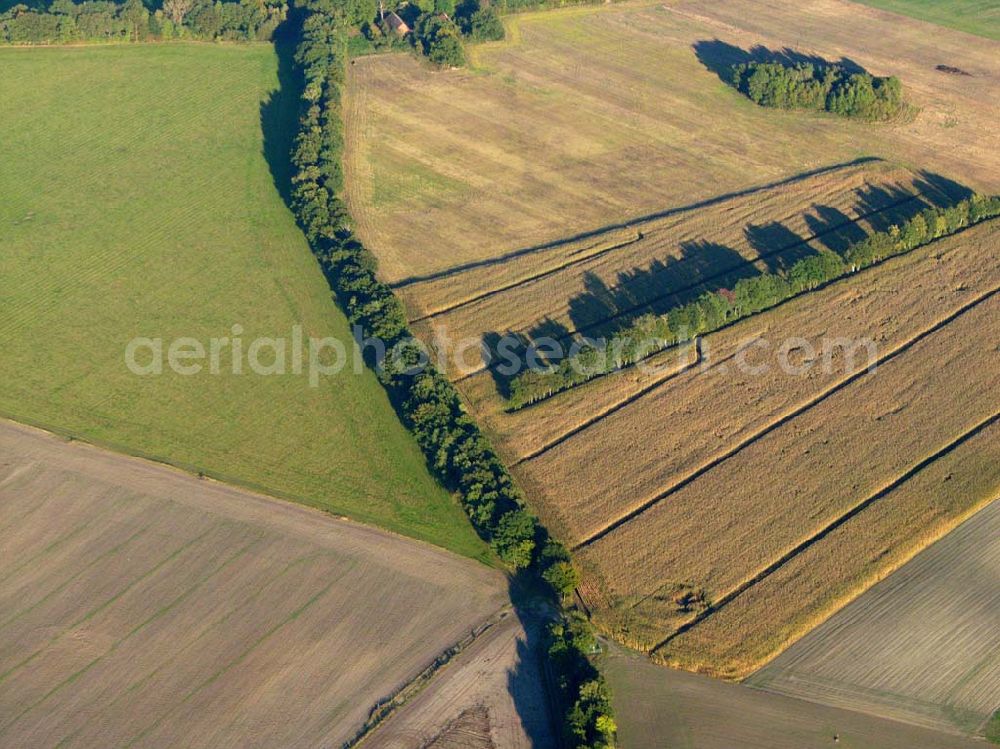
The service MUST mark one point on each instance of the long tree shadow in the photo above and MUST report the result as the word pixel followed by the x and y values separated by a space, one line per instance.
pixel 530 683
pixel 279 113
pixel 940 191
pixel 602 310
pixel 834 229
pixel 887 205
pixel 719 57
pixel 778 246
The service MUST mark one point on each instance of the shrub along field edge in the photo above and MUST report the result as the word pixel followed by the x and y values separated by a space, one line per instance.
pixel 428 404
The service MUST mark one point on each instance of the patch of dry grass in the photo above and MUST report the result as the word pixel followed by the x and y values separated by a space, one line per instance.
pixel 719 530
pixel 611 467
pixel 598 117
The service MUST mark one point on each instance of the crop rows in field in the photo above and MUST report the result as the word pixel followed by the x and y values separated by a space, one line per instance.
pixel 921 646
pixel 789 484
pixel 887 305
pixel 745 630
pixel 678 257
pixel 144 606
pixel 590 454
pixel 689 485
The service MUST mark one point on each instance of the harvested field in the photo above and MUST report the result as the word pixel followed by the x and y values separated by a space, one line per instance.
pixel 800 474
pixel 614 464
pixel 470 730
pixel 851 189
pixel 922 646
pixel 143 606
pixel 659 707
pixel 595 167
pixel 818 580
pixel 593 117
pixel 677 257
pixel 491 695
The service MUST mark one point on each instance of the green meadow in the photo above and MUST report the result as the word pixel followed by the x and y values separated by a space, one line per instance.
pixel 980 17
pixel 139 198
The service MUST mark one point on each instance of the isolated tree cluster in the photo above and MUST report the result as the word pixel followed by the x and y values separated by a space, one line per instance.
pixel 826 87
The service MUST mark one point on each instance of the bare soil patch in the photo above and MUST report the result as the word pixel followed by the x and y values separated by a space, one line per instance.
pixel 922 646
pixel 491 695
pixel 143 606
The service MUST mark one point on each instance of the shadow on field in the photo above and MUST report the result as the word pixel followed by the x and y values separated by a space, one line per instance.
pixel 603 308
pixel 279 114
pixel 719 56
pixel 531 682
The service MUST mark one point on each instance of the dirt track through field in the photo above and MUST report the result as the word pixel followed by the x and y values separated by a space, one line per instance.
pixel 144 606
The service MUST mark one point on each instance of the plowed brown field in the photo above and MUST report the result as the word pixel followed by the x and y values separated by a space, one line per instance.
pixel 140 606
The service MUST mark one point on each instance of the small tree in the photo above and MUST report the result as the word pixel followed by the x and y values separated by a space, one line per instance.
pixel 176 10
pixel 446 48
pixel 486 26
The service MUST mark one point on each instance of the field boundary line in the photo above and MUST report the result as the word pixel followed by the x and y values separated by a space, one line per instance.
pixel 784 419
pixel 826 530
pixel 637 236
pixel 561 242
pixel 648 388
pixel 762 257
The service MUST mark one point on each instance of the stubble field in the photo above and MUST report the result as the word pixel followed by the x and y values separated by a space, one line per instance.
pixel 718 512
pixel 657 707
pixel 592 117
pixel 142 606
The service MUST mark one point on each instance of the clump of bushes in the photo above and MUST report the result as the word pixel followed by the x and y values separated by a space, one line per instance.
pixel 650 333
pixel 96 20
pixel 826 87
pixel 440 40
pixel 589 721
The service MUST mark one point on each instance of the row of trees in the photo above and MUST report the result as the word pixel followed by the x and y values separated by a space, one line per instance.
pixel 810 86
pixel 428 404
pixel 65 21
pixel 590 720
pixel 713 309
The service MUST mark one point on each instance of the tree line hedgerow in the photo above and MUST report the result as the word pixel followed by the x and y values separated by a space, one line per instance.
pixel 806 85
pixel 65 21
pixel 455 449
pixel 651 333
